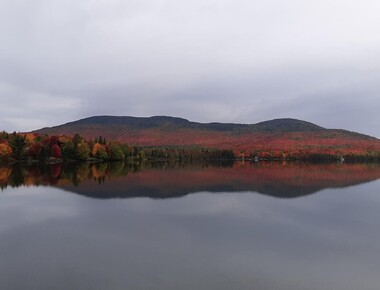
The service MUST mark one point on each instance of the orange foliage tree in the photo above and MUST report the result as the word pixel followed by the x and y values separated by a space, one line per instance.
pixel 5 151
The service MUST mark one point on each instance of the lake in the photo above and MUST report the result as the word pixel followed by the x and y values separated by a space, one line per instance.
pixel 190 226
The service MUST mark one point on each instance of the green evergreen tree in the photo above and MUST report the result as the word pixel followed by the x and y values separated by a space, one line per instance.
pixel 68 151
pixel 17 144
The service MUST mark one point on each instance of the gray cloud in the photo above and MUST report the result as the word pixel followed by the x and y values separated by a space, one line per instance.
pixel 214 60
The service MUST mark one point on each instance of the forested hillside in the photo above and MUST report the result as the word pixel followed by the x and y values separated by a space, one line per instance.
pixel 279 138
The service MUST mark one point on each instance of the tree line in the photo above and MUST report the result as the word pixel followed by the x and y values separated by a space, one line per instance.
pixel 33 146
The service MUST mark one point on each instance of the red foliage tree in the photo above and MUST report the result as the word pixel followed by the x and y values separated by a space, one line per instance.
pixel 35 149
pixel 56 151
pixel 54 140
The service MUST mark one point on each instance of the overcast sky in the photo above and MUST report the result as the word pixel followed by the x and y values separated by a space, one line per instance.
pixel 240 61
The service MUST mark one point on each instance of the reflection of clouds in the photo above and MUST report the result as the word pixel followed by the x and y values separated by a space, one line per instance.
pixel 24 206
pixel 199 204
pixel 294 241
pixel 330 240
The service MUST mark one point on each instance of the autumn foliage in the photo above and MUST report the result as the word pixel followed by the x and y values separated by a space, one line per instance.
pixel 287 139
pixel 58 148
pixel 189 144
pixel 5 151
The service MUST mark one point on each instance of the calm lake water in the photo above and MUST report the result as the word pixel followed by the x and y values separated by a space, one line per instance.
pixel 171 226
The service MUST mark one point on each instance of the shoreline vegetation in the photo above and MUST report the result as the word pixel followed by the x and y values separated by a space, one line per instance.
pixel 35 147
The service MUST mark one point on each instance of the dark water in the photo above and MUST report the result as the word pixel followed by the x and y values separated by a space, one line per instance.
pixel 228 226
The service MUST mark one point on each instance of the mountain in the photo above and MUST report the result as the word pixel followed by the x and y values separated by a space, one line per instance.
pixel 288 125
pixel 165 122
pixel 272 137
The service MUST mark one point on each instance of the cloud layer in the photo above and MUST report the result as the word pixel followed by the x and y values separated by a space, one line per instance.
pixel 213 60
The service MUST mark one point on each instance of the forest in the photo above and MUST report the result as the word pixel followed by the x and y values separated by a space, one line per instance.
pixel 55 149
pixel 30 147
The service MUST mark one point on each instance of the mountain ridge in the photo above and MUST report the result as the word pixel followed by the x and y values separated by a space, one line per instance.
pixel 273 125
pixel 271 139
pixel 161 119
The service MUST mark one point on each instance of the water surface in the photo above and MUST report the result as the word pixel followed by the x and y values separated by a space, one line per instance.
pixel 205 226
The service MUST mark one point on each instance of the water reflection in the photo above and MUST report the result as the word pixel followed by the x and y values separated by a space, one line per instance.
pixel 164 180
pixel 52 239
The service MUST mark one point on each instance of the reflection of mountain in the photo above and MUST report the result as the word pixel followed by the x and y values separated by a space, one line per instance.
pixel 274 179
pixel 121 181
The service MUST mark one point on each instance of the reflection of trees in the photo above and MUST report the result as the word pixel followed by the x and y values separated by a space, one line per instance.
pixel 60 174
pixel 5 173
pixel 17 175
pixel 82 172
pixel 77 173
pixel 167 179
